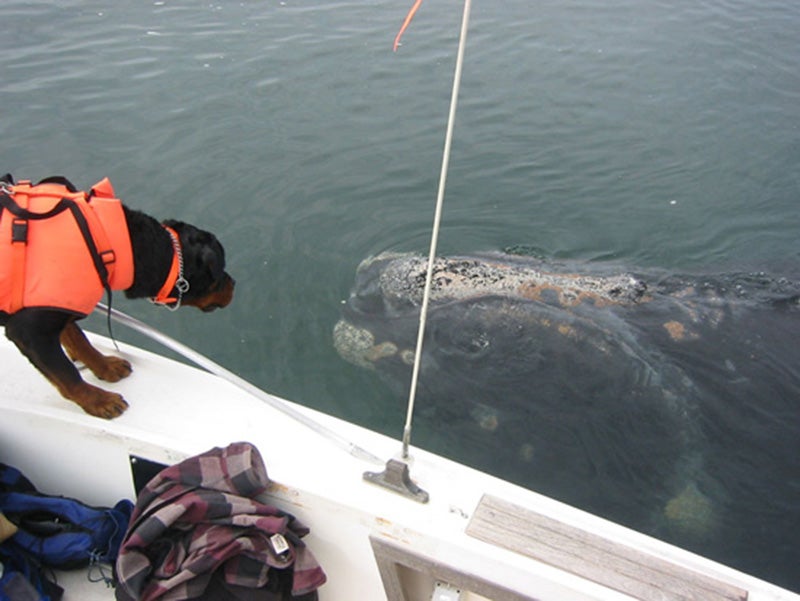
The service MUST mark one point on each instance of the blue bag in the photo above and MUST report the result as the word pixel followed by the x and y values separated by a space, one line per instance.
pixel 54 531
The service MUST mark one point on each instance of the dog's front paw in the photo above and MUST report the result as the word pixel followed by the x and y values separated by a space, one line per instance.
pixel 100 403
pixel 112 369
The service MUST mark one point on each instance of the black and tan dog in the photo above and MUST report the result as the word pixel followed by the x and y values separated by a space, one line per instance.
pixel 50 278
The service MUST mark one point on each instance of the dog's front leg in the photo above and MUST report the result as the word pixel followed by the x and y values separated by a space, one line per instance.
pixel 105 367
pixel 36 332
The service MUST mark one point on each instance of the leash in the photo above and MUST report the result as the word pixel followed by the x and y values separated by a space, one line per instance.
pixel 108 319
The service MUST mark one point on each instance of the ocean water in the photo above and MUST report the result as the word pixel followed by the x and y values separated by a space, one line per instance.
pixel 655 135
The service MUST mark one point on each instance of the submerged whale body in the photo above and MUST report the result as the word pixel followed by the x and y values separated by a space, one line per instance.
pixel 669 403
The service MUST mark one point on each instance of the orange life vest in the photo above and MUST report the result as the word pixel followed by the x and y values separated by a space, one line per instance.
pixel 61 248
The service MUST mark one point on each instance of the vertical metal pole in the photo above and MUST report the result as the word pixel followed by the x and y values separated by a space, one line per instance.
pixel 423 313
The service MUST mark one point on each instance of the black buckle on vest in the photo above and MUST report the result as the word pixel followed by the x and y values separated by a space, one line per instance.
pixel 108 257
pixel 19 230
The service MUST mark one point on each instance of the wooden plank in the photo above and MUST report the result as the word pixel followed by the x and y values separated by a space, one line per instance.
pixel 611 564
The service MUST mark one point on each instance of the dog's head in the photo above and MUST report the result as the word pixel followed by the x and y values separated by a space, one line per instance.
pixel 210 286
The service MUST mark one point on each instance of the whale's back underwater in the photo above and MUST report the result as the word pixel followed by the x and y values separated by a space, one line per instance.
pixel 669 403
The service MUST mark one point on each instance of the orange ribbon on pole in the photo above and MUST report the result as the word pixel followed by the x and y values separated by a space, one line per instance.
pixel 409 16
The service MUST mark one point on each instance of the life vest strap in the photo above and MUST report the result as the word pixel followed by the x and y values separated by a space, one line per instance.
pixel 59 180
pixel 19 245
pixel 97 259
pixel 21 212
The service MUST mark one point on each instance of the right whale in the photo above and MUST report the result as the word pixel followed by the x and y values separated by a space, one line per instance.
pixel 670 403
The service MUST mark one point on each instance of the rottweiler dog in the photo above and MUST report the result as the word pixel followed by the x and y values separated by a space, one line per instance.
pixel 173 264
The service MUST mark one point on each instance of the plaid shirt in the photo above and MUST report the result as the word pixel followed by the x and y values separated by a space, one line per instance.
pixel 201 516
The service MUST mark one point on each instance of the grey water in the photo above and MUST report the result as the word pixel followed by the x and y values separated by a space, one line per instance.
pixel 650 134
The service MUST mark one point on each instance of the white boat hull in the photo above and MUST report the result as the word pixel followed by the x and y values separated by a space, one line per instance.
pixel 177 411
